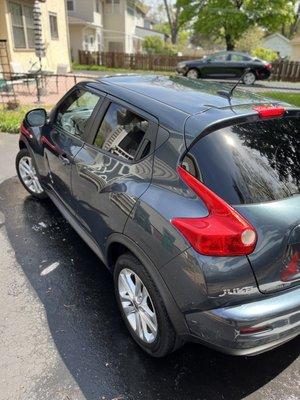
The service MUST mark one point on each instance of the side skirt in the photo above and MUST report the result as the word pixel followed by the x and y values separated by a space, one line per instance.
pixel 77 227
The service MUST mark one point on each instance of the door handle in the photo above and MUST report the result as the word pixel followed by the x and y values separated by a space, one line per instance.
pixel 64 159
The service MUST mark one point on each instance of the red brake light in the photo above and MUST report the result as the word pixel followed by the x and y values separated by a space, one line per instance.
pixel 293 268
pixel 269 111
pixel 224 232
pixel 252 330
pixel 269 66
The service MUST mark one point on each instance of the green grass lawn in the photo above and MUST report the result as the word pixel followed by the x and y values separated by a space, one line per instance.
pixel 292 98
pixel 10 120
pixel 83 67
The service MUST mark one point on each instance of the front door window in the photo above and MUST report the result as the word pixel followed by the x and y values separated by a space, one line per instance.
pixel 74 113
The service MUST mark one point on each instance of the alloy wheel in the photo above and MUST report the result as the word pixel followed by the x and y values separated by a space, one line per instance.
pixel 137 306
pixel 249 78
pixel 29 176
pixel 193 74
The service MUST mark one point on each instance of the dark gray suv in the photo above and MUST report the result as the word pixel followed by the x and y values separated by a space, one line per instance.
pixel 188 196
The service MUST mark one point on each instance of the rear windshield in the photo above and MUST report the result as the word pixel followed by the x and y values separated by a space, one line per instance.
pixel 251 162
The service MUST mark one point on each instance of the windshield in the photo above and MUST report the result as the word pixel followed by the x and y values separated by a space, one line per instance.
pixel 251 162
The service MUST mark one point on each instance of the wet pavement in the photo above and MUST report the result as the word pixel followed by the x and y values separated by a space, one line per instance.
pixel 63 339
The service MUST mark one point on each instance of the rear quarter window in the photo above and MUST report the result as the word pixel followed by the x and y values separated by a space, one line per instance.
pixel 251 162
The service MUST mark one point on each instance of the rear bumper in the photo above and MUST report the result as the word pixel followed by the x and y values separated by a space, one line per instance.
pixel 221 328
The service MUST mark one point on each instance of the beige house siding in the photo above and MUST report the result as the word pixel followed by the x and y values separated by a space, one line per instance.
pixel 76 41
pixel 114 28
pixel 57 50
pixel 85 23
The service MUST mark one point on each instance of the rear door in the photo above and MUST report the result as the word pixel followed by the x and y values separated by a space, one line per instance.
pixel 114 167
pixel 65 136
pixel 256 168
pixel 237 63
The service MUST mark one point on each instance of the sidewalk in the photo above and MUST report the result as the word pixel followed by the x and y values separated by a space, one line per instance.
pixel 8 151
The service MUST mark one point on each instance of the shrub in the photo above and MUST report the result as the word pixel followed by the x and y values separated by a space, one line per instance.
pixel 156 45
pixel 265 54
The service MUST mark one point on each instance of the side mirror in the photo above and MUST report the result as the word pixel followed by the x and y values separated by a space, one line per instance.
pixel 36 118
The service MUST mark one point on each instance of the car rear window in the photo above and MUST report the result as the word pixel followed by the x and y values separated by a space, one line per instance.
pixel 251 162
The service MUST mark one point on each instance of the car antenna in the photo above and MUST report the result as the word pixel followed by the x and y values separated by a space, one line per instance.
pixel 228 94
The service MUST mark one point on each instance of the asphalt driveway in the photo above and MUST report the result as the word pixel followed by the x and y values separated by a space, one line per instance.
pixel 61 337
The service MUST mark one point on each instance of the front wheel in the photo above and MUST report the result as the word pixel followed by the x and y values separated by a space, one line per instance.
pixel 249 78
pixel 27 174
pixel 142 307
pixel 193 73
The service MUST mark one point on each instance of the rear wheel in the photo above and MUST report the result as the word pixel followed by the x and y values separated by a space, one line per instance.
pixel 27 174
pixel 249 78
pixel 142 307
pixel 193 73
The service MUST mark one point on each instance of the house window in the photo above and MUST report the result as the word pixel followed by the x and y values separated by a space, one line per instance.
pixel 22 26
pixel 86 43
pixel 130 7
pixel 53 26
pixel 112 6
pixel 70 5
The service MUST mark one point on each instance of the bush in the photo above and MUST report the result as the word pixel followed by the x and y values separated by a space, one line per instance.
pixel 265 54
pixel 156 45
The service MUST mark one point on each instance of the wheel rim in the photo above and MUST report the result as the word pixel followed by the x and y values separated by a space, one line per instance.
pixel 137 306
pixel 29 176
pixel 249 78
pixel 192 74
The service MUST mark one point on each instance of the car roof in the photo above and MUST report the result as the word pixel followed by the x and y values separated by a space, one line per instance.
pixel 233 52
pixel 158 94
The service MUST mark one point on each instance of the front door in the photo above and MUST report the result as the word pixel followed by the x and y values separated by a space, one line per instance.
pixel 64 138
pixel 114 169
pixel 217 67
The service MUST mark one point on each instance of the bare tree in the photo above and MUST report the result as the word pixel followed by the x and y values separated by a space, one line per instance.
pixel 173 13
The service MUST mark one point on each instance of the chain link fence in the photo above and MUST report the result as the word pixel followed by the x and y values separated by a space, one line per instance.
pixel 23 89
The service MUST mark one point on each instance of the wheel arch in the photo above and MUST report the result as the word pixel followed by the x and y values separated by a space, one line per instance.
pixel 118 244
pixel 22 144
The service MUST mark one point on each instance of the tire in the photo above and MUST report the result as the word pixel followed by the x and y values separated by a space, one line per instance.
pixel 165 340
pixel 249 78
pixel 28 176
pixel 193 73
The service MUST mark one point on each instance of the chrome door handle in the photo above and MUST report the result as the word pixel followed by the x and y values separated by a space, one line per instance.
pixel 64 159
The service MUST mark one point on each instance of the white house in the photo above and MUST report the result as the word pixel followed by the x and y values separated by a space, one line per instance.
pixel 108 25
pixel 278 43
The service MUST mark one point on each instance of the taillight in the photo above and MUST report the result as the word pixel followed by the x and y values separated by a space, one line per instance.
pixel 269 66
pixel 292 270
pixel 269 111
pixel 224 232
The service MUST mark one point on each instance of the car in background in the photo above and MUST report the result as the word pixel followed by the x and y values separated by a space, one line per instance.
pixel 189 198
pixel 226 65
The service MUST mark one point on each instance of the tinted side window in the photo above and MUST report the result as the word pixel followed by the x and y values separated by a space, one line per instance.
pixel 74 113
pixel 121 132
pixel 251 163
pixel 219 57
pixel 239 57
